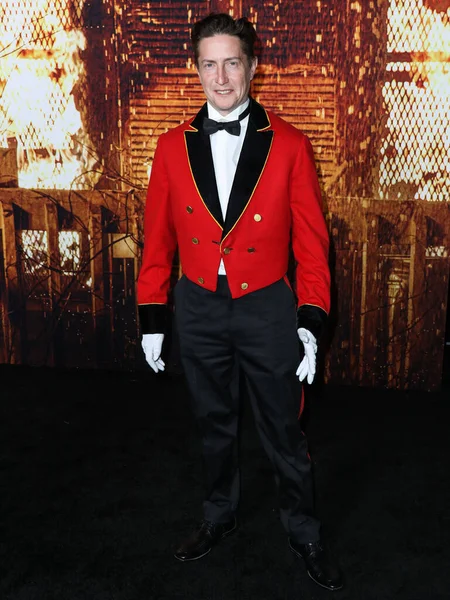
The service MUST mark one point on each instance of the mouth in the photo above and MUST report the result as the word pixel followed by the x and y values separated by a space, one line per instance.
pixel 224 92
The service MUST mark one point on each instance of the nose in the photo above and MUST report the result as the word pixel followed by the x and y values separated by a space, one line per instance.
pixel 221 75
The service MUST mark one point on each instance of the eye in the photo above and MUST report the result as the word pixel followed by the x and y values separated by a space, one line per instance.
pixel 233 63
pixel 208 66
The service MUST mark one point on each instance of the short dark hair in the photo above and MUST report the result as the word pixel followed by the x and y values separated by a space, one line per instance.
pixel 224 24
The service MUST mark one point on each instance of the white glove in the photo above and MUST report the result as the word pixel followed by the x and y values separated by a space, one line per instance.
pixel 151 345
pixel 307 367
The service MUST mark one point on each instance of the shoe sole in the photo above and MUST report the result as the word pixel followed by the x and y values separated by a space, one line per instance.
pixel 325 587
pixel 224 535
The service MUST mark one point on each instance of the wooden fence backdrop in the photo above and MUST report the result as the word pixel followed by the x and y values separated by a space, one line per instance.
pixel 69 262
pixel 68 266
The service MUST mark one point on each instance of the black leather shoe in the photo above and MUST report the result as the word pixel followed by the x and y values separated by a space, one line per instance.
pixel 319 564
pixel 203 539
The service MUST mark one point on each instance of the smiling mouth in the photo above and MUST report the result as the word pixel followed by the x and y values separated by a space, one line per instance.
pixel 223 92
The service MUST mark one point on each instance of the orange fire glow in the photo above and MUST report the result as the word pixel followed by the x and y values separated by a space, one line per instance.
pixel 40 67
pixel 415 161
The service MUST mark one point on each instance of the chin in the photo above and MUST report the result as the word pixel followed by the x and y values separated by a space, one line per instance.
pixel 227 107
pixel 225 103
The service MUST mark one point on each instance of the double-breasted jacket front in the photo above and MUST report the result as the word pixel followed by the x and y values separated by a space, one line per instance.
pixel 275 206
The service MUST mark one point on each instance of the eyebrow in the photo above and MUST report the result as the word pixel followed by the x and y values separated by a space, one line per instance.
pixel 214 61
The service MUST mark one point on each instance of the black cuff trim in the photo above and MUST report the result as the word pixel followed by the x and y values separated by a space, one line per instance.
pixel 312 318
pixel 154 318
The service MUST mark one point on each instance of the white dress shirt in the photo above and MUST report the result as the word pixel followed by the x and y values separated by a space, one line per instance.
pixel 226 149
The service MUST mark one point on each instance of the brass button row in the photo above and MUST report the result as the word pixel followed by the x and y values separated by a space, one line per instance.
pixel 225 250
pixel 257 217
pixel 244 286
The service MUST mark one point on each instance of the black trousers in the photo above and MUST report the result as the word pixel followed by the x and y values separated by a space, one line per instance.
pixel 257 331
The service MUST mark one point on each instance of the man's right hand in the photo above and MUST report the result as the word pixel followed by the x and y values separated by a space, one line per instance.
pixel 151 345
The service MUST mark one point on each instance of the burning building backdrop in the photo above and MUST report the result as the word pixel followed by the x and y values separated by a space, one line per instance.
pixel 87 86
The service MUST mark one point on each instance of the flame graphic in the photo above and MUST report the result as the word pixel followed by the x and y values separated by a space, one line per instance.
pixel 40 68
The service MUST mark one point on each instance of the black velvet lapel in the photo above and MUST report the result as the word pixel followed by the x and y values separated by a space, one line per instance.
pixel 202 167
pixel 255 150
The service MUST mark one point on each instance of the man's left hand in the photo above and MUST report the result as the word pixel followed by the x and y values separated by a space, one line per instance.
pixel 307 367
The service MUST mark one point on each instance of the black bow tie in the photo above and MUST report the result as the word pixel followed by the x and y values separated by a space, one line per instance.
pixel 233 127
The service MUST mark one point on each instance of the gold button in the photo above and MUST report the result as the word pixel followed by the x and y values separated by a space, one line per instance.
pixel 226 250
pixel 189 209
pixel 201 280
pixel 194 240
pixel 250 249
pixel 257 218
pixel 244 286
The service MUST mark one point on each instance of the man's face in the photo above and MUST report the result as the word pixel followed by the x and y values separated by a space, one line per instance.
pixel 224 71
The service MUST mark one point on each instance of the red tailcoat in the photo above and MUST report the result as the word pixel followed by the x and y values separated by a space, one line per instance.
pixel 275 204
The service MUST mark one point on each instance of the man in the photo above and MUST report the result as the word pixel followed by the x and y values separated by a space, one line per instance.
pixel 234 189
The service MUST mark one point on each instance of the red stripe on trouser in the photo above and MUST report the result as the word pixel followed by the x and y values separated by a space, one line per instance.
pixel 302 402
pixel 302 406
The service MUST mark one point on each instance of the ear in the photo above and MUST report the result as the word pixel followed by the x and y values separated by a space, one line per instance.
pixel 253 67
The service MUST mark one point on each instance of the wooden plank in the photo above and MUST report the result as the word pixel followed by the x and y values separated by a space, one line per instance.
pixel 100 311
pixel 9 175
pixel 54 281
pixel 11 315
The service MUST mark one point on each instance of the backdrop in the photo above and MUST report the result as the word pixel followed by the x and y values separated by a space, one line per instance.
pixel 86 88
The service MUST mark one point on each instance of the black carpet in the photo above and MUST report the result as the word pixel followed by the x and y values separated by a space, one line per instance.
pixel 100 477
